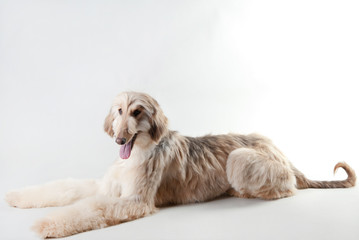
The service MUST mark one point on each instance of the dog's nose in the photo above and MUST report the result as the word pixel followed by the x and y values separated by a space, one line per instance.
pixel 121 141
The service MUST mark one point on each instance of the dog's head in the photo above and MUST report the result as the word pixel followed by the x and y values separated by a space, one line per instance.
pixel 135 118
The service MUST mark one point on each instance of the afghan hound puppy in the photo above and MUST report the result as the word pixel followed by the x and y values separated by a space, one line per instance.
pixel 158 167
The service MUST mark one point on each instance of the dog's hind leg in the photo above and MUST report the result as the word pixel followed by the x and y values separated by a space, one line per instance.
pixel 57 193
pixel 254 174
pixel 242 194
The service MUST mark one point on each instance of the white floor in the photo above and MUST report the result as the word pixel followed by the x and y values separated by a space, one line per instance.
pixel 311 214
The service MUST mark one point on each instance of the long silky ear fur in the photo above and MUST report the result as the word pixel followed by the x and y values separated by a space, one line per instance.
pixel 108 124
pixel 158 125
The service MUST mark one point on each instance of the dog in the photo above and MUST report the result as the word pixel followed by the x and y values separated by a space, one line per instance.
pixel 159 167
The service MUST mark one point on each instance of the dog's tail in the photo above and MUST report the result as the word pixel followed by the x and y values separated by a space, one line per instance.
pixel 303 182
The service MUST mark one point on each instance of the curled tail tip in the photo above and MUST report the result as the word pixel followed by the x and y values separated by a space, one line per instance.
pixel 340 165
pixel 350 172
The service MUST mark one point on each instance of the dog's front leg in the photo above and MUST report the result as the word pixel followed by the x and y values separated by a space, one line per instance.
pixel 91 213
pixel 106 210
pixel 53 194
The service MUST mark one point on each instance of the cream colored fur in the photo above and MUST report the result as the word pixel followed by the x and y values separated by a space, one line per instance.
pixel 164 168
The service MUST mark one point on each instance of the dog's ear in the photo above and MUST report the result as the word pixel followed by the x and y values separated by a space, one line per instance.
pixel 108 124
pixel 159 124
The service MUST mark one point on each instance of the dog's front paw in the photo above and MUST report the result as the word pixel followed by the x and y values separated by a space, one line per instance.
pixel 16 199
pixel 49 228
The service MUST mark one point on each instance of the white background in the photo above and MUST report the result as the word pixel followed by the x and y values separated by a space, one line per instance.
pixel 286 69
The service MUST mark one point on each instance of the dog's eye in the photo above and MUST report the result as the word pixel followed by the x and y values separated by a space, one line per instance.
pixel 120 111
pixel 136 113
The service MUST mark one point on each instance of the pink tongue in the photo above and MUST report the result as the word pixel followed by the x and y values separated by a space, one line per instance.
pixel 125 150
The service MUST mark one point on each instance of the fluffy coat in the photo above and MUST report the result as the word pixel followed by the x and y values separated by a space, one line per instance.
pixel 160 167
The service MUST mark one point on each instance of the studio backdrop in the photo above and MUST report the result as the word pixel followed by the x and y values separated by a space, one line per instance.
pixel 284 69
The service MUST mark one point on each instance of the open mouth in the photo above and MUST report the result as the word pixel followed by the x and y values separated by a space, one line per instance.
pixel 125 150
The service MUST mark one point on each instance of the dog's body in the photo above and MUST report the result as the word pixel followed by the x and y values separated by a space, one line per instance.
pixel 160 167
